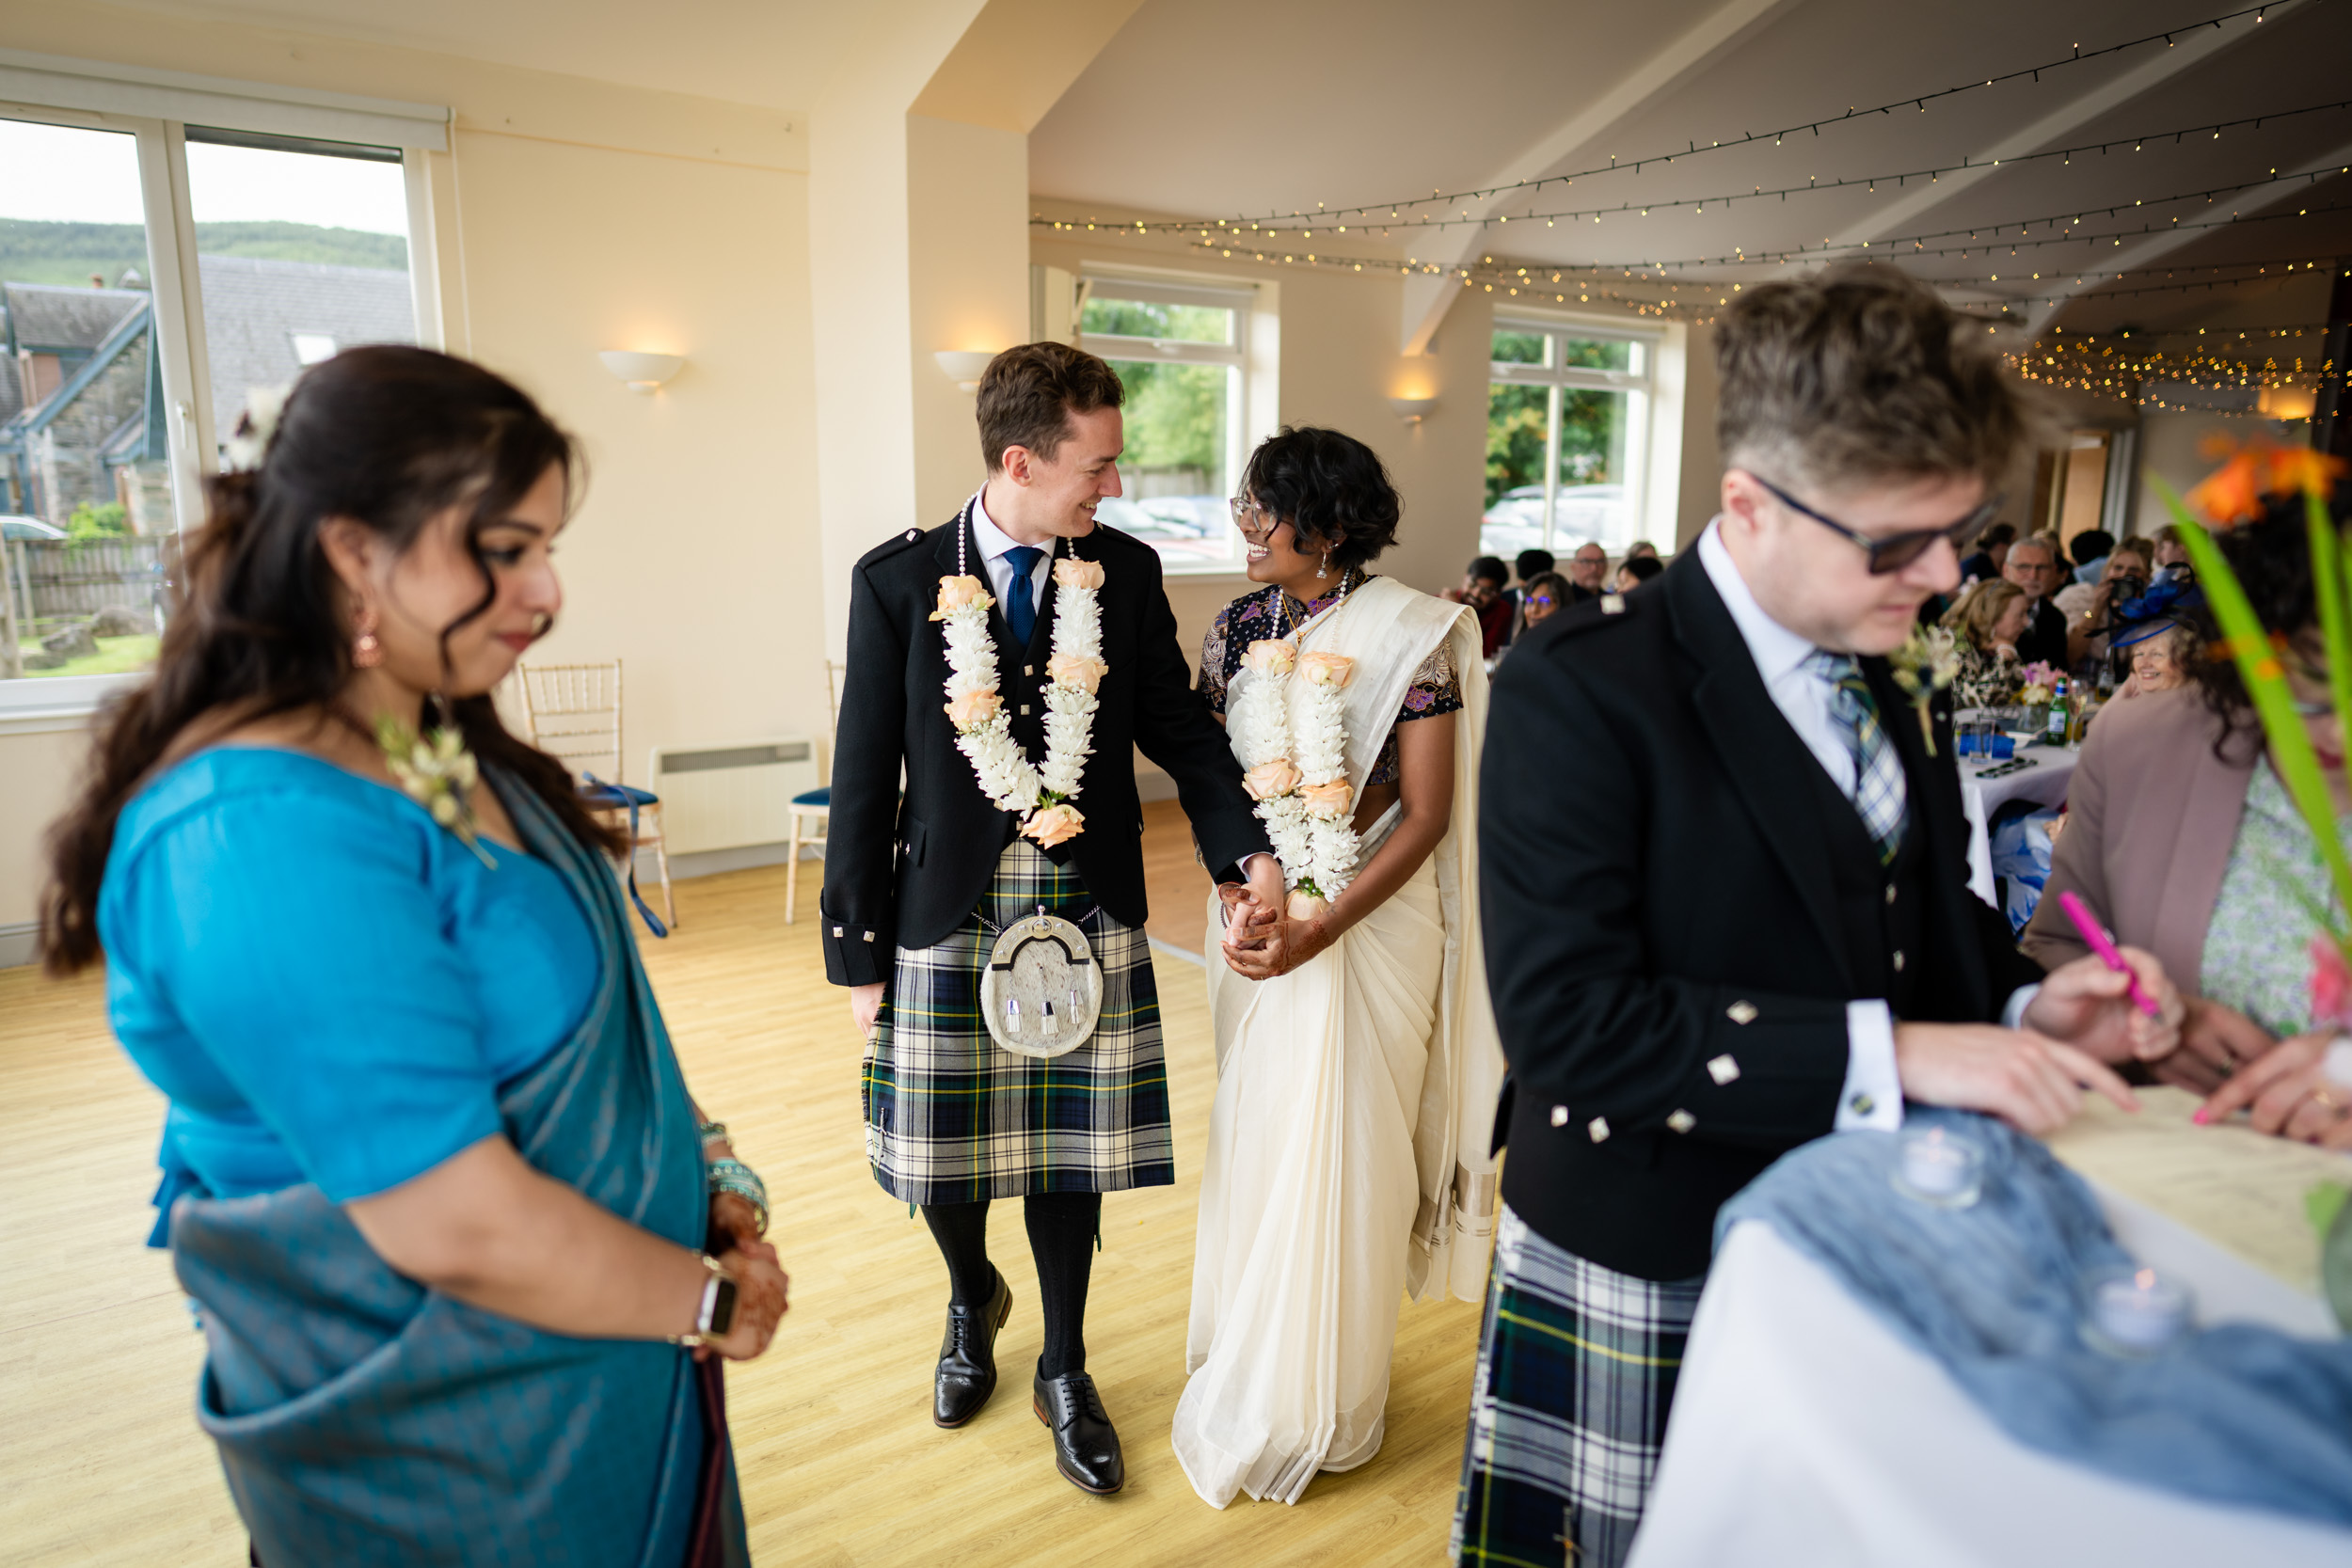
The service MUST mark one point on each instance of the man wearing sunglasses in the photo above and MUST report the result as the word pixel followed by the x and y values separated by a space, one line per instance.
pixel 1726 890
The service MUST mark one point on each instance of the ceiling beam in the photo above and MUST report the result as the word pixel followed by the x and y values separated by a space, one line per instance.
pixel 1017 58
pixel 1428 298
pixel 1902 214
pixel 2155 247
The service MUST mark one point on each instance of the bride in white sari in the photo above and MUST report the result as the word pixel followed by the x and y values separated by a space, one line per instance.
pixel 1358 1066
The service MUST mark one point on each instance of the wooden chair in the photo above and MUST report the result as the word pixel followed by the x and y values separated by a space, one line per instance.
pixel 573 713
pixel 815 805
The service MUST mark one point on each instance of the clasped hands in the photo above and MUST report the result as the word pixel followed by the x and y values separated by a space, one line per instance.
pixel 1260 939
pixel 762 1289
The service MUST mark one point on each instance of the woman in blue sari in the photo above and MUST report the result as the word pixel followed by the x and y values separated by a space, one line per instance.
pixel 432 1174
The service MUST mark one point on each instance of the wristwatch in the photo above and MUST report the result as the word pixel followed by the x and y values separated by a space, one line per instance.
pixel 717 1314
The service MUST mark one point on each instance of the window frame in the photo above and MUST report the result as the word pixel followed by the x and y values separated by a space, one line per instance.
pixel 1640 386
pixel 45 89
pixel 1244 355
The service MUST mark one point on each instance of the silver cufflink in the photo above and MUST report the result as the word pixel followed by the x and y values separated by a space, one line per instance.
pixel 1862 1104
pixel 1740 1012
pixel 1559 1116
pixel 1598 1128
pixel 838 931
pixel 870 936
pixel 1612 604
pixel 1723 1068
pixel 1682 1121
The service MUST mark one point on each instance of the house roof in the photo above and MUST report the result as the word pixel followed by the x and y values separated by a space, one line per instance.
pixel 255 308
pixel 48 319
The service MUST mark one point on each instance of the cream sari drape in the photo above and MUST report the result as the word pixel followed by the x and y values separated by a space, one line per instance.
pixel 1348 1147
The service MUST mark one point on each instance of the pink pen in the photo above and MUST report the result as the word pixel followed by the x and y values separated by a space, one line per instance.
pixel 2102 944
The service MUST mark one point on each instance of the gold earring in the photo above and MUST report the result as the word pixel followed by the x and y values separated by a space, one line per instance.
pixel 365 651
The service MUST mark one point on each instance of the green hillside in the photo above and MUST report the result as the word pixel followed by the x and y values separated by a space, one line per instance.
pixel 69 253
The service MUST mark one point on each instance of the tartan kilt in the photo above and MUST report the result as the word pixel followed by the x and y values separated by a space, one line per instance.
pixel 953 1117
pixel 1576 1371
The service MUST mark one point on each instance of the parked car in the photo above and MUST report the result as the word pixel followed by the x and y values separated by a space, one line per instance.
pixel 1583 512
pixel 1169 524
pixel 1203 516
pixel 17 530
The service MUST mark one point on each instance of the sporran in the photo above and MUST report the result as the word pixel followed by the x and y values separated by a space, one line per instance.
pixel 1042 993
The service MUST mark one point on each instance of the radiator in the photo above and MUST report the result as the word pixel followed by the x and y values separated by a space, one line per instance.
pixel 726 797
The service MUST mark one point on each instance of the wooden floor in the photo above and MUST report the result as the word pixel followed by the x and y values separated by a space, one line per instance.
pixel 100 1461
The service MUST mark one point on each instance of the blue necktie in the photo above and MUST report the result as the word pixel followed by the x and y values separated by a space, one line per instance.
pixel 1020 593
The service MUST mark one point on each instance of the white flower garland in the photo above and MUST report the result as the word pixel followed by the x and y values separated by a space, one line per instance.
pixel 1039 794
pixel 1291 738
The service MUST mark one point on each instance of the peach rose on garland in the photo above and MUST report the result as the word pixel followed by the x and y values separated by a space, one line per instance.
pixel 1054 824
pixel 1269 656
pixel 1327 799
pixel 1323 669
pixel 1270 778
pixel 1075 669
pixel 956 593
pixel 969 711
pixel 1073 573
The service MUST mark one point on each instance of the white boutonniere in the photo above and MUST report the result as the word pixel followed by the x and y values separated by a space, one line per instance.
pixel 436 771
pixel 1923 666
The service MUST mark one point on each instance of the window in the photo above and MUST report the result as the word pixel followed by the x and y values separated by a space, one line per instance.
pixel 124 374
pixel 1568 414
pixel 1183 353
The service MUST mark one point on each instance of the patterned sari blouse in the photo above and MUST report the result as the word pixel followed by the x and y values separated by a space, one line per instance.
pixel 1436 688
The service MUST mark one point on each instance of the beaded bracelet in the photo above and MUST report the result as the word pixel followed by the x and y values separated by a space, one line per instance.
pixel 714 1132
pixel 733 1176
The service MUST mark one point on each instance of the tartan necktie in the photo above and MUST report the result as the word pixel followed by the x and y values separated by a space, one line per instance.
pixel 1020 593
pixel 1879 792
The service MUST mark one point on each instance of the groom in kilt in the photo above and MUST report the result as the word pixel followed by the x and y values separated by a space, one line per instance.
pixel 1010 662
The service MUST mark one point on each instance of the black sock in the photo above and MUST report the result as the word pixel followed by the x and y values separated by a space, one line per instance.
pixel 1062 1229
pixel 962 1231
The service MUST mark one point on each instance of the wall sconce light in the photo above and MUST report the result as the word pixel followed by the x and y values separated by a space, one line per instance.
pixel 963 365
pixel 2287 403
pixel 642 372
pixel 1412 410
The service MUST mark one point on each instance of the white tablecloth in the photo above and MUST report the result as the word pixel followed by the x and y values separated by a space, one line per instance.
pixel 2044 785
pixel 1805 1433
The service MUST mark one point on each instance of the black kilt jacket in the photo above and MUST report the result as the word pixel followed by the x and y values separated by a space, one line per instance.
pixel 1679 904
pixel 906 871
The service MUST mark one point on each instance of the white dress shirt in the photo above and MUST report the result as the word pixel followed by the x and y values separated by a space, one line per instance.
pixel 994 542
pixel 1803 699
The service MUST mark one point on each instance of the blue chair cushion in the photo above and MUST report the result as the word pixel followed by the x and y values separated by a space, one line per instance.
pixel 814 797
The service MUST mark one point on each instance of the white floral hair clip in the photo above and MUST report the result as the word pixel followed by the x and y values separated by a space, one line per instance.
pixel 256 427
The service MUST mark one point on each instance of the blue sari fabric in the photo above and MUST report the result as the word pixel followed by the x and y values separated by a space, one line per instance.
pixel 2238 1414
pixel 364 1419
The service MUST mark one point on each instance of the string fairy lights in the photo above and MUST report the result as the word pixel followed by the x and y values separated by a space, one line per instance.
pixel 1408 212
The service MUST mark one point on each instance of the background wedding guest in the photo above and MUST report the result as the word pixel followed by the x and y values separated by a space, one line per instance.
pixel 2088 550
pixel 1483 591
pixel 1726 895
pixel 430 1172
pixel 1588 572
pixel 1986 621
pixel 1638 570
pixel 1546 596
pixel 2159 651
pixel 1529 565
pixel 2183 841
pixel 2033 566
pixel 1991 550
pixel 2171 555
pixel 2090 614
pixel 1639 549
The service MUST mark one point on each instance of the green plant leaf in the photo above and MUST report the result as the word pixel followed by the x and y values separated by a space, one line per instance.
pixel 2323 1203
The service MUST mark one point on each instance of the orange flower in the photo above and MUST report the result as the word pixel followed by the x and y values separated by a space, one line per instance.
pixel 2301 470
pixel 2232 493
pixel 1052 825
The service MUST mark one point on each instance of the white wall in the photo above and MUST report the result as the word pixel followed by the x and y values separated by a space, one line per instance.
pixel 572 217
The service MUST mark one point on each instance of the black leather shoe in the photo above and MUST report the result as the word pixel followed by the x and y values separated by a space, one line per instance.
pixel 967 1357
pixel 1085 1446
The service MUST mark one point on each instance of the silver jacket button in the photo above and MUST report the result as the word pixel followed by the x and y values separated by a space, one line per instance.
pixel 1598 1128
pixel 1682 1121
pixel 1740 1012
pixel 1723 1068
pixel 1559 1116
pixel 1898 961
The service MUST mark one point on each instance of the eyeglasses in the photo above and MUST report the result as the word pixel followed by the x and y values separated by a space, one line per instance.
pixel 1541 601
pixel 1895 551
pixel 1251 518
